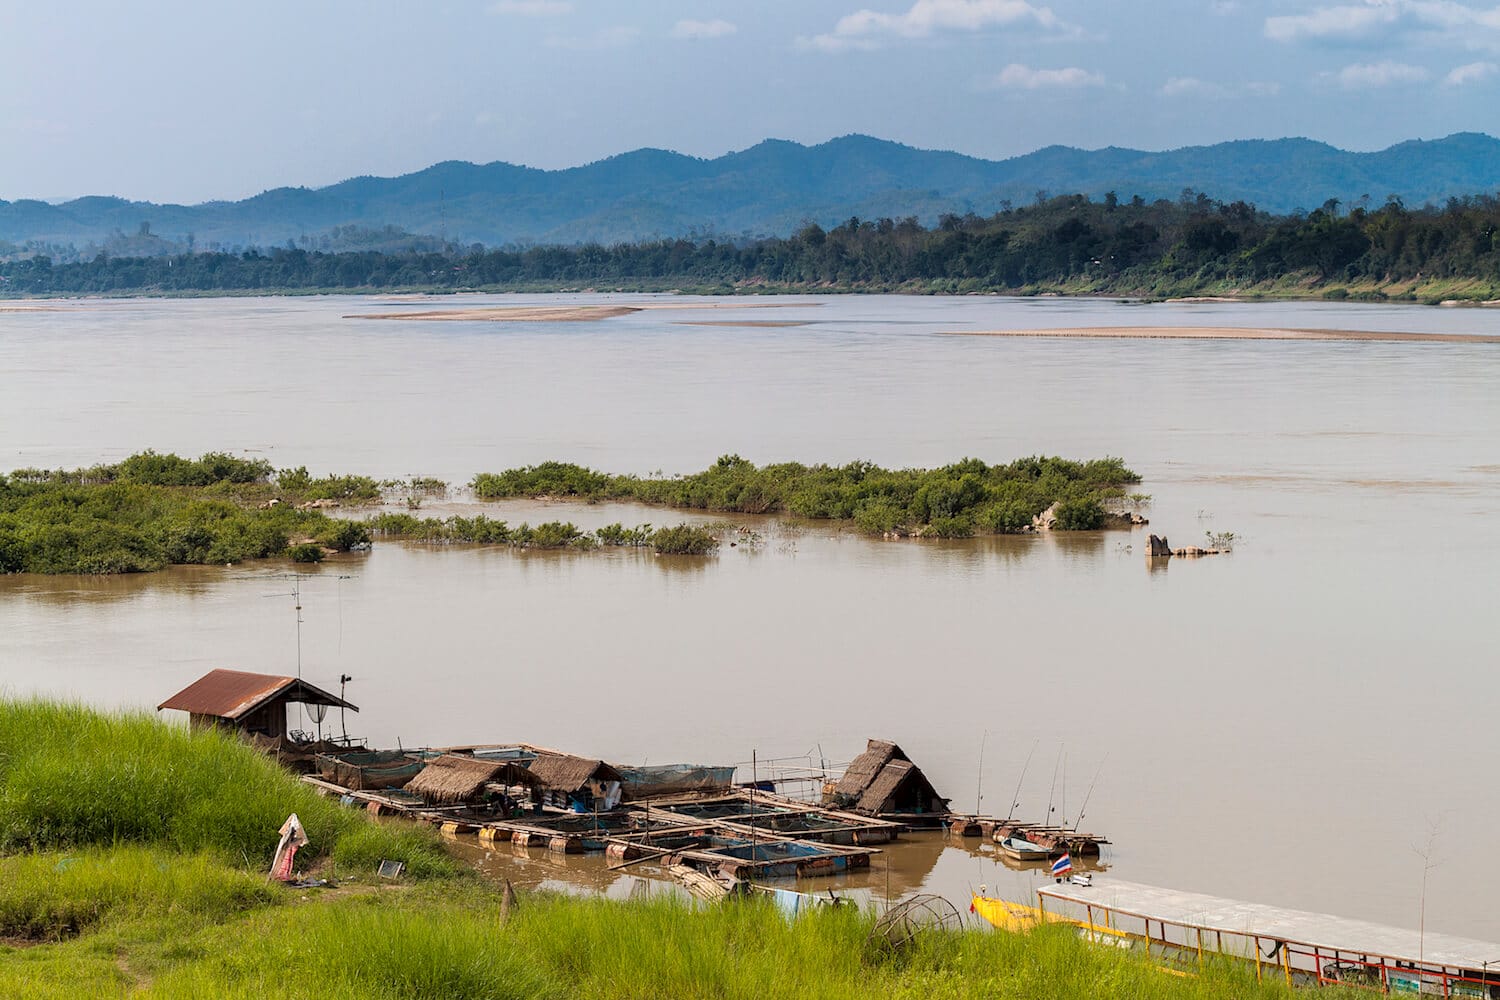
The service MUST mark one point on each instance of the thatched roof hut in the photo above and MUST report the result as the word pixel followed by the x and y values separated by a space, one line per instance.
pixel 570 782
pixel 453 778
pixel 565 773
pixel 884 781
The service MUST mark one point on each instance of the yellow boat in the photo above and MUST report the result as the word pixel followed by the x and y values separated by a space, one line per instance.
pixel 1018 918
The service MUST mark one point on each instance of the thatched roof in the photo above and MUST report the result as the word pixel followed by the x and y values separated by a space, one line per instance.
pixel 884 786
pixel 865 768
pixel 453 778
pixel 567 773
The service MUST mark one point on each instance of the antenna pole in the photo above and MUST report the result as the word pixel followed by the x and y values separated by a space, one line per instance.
pixel 297 597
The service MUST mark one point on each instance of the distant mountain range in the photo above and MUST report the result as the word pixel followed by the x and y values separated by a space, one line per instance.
pixel 770 188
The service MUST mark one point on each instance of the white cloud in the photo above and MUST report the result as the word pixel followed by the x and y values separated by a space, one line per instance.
pixel 1470 73
pixel 604 38
pixel 716 28
pixel 532 8
pixel 868 29
pixel 1363 76
pixel 1191 86
pixel 1448 19
pixel 1018 77
pixel 1344 22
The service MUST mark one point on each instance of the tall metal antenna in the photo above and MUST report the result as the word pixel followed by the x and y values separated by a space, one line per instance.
pixel 297 597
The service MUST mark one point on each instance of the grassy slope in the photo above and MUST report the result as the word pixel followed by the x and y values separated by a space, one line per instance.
pixel 134 867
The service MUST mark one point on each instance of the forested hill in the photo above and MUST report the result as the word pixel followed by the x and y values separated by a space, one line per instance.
pixel 769 189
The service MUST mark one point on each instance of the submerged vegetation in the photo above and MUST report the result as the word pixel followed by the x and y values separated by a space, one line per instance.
pixel 966 498
pixel 153 510
pixel 1117 245
pixel 682 539
pixel 133 864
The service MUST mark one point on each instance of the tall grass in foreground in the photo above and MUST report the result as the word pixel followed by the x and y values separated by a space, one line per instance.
pixel 49 897
pixel 71 776
pixel 554 948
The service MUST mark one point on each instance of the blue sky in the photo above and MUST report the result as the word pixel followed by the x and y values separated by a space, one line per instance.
pixel 189 101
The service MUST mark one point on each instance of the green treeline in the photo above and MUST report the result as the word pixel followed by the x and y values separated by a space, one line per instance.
pixel 1067 243
pixel 954 501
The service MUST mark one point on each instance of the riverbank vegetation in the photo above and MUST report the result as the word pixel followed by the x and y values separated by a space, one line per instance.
pixel 1193 245
pixel 155 510
pixel 681 539
pixel 133 860
pixel 955 501
pixel 152 510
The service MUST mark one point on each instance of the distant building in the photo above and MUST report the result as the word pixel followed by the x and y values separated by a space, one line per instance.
pixel 247 703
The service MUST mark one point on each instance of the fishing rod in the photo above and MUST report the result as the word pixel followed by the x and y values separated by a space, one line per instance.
pixel 979 784
pixel 1048 818
pixel 1084 807
pixel 1013 799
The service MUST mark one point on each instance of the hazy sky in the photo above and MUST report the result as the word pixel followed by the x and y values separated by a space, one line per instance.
pixel 189 101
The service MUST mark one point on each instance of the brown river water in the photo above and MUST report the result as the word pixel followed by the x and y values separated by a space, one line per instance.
pixel 1293 723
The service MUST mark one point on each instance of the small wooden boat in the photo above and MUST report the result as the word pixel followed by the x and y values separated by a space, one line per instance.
pixel 1021 849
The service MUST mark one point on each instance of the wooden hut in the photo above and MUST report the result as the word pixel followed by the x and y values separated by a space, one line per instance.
pixel 453 779
pixel 884 782
pixel 248 703
pixel 577 783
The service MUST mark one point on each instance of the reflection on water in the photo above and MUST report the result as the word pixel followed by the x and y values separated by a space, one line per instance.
pixel 1325 682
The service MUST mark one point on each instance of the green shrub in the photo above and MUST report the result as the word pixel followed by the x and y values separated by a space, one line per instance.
pixel 1084 514
pixel 342 535
pixel 949 527
pixel 306 552
pixel 877 517
pixel 684 540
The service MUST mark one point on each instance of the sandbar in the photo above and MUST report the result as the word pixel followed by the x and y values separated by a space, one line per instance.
pixel 1228 333
pixel 564 314
pixel 742 322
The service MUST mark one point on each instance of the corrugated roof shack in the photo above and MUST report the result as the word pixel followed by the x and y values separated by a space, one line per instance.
pixel 247 703
pixel 577 783
pixel 884 782
pixel 453 779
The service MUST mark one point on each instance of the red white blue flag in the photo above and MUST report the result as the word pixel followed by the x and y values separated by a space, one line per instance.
pixel 1062 866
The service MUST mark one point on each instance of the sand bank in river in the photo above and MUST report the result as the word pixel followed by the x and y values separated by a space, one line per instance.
pixel 1227 333
pixel 565 314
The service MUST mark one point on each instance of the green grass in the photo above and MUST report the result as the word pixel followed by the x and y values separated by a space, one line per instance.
pixel 53 896
pixel 442 943
pixel 72 777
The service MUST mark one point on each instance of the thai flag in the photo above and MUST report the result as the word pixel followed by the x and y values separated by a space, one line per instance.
pixel 1062 866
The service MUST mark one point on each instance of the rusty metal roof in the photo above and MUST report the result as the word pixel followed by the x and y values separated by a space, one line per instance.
pixel 232 694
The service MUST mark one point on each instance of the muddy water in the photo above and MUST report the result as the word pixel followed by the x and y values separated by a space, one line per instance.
pixel 1290 723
